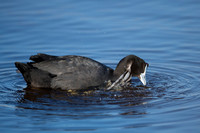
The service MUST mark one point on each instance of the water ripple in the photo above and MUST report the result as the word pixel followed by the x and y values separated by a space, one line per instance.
pixel 164 33
pixel 164 86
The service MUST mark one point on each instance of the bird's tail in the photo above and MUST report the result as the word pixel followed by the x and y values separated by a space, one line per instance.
pixel 25 70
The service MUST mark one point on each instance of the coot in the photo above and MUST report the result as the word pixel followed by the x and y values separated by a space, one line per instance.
pixel 73 72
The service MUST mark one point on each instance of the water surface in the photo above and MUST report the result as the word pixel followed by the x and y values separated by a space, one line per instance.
pixel 164 33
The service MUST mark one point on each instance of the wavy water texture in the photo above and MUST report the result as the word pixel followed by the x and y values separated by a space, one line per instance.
pixel 164 33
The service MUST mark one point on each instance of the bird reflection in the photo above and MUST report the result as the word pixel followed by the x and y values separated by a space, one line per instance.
pixel 129 101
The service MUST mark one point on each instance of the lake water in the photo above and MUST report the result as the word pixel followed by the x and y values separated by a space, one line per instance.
pixel 166 34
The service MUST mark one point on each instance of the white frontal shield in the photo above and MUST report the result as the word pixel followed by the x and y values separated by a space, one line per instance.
pixel 142 76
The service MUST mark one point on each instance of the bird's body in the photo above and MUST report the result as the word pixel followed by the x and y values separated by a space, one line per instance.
pixel 68 72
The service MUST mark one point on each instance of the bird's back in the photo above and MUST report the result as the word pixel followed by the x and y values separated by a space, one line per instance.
pixel 72 72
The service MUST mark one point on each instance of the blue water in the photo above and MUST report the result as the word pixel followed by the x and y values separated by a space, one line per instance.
pixel 166 34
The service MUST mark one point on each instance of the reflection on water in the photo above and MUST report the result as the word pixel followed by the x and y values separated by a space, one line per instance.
pixel 164 33
pixel 94 100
